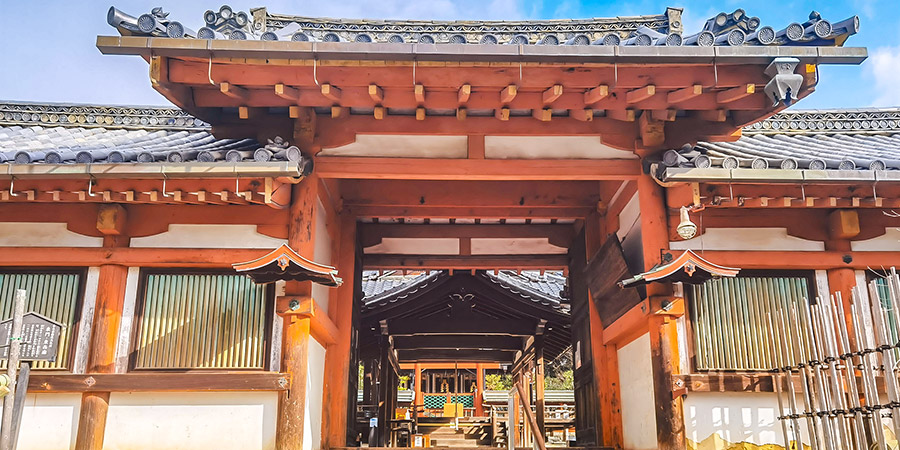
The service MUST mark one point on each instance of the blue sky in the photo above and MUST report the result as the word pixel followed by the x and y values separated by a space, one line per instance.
pixel 49 54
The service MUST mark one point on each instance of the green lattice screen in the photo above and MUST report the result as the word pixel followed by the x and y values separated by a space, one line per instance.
pixel 437 401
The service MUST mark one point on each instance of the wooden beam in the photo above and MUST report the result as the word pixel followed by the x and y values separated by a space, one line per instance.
pixel 287 92
pixel 512 343
pixel 502 113
pixel 476 262
pixel 653 133
pixel 544 115
pixel 235 92
pixel 320 326
pixel 629 326
pixel 508 94
pixel 157 382
pixel 132 257
pixel 372 234
pixel 664 115
pixel 376 93
pixel 331 93
pixel 550 95
pixel 584 115
pixel 596 94
pixel 734 94
pixel 716 115
pixel 419 93
pixel 463 94
pixel 684 94
pixel 454 355
pixel 622 115
pixel 471 326
pixel 640 94
pixel 475 146
pixel 464 169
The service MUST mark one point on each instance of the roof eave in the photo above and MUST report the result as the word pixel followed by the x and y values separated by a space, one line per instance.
pixel 144 46
pixel 191 170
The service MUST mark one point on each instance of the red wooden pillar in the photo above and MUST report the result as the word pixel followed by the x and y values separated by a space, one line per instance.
pixel 337 357
pixel 418 399
pixel 479 390
pixel 663 334
pixel 102 354
pixel 843 225
pixel 295 334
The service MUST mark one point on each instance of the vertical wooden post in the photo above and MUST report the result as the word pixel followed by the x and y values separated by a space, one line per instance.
pixel 418 399
pixel 101 354
pixel 295 334
pixel 479 390
pixel 539 384
pixel 663 334
pixel 384 392
pixel 337 358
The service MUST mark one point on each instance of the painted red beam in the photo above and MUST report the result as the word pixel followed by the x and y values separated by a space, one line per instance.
pixel 133 257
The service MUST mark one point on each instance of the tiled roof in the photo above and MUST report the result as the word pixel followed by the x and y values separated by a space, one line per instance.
pixel 60 134
pixel 849 140
pixel 732 29
pixel 547 289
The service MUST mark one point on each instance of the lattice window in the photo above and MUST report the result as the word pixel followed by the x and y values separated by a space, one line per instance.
pixel 53 295
pixel 202 321
pixel 730 321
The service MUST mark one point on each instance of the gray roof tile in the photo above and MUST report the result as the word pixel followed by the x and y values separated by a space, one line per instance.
pixel 734 29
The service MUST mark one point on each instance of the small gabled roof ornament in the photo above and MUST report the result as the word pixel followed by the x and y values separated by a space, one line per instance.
pixel 688 268
pixel 285 264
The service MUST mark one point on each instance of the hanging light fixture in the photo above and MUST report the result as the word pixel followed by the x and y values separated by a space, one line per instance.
pixel 686 229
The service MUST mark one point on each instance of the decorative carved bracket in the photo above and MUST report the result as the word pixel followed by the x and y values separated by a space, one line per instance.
pixel 688 268
pixel 285 264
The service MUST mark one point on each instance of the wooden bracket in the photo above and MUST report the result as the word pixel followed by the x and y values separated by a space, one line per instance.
pixel 111 219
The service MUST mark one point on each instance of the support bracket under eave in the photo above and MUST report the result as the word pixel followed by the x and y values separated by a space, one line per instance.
pixel 688 268
pixel 285 264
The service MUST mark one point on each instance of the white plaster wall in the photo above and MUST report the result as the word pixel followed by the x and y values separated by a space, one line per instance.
pixel 775 239
pixel 49 421
pixel 628 217
pixel 416 246
pixel 519 246
pixel 636 385
pixel 551 147
pixel 43 234
pixel 191 420
pixel 123 343
pixel 315 386
pixel 208 236
pixel 403 146
pixel 321 254
pixel 86 321
pixel 733 417
pixel 887 242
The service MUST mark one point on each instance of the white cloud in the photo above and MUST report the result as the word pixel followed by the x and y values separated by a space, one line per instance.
pixel 883 66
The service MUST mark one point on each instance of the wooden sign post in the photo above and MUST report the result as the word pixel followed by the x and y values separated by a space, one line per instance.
pixel 31 337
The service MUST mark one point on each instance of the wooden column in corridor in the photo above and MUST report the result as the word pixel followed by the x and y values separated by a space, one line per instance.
pixel 663 333
pixel 479 390
pixel 539 384
pixel 338 356
pixel 295 332
pixel 101 355
pixel 418 399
